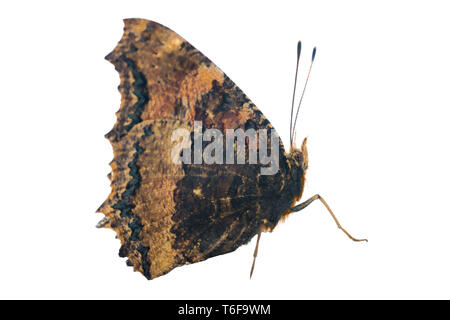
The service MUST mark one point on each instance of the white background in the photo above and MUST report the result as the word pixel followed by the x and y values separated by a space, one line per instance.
pixel 376 113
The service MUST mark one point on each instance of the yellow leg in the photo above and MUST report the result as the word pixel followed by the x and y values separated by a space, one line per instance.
pixel 303 205
pixel 255 253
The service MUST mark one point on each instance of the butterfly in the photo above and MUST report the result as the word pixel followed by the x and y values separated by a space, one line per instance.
pixel 166 213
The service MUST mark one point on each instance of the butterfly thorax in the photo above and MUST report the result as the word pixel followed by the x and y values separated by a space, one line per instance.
pixel 294 182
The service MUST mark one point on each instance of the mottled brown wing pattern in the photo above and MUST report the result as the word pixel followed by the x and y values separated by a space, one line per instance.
pixel 166 214
pixel 220 209
pixel 141 203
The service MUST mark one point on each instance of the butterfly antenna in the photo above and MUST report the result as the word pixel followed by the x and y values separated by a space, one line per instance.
pixel 304 88
pixel 299 50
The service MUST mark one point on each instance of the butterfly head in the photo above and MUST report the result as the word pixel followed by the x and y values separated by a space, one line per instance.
pixel 299 165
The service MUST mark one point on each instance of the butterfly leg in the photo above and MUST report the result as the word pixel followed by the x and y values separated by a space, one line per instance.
pixel 255 254
pixel 306 203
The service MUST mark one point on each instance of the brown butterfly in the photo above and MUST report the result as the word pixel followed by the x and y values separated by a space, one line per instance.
pixel 168 214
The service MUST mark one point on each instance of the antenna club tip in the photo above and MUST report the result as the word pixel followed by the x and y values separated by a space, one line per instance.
pixel 314 53
pixel 299 49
